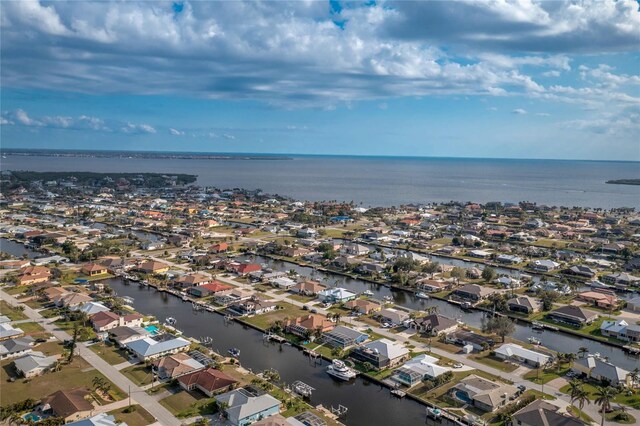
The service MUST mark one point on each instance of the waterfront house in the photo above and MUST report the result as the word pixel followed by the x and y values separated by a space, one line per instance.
pixel 573 315
pixel 187 281
pixel 482 393
pixel 69 300
pixel 581 271
pixel 435 324
pixel 469 338
pixel 621 280
pixel 34 364
pixel 283 283
pixel 602 298
pixel 149 348
pixel 243 269
pixel 543 265
pixel 252 306
pixel 517 353
pixel 219 248
pixel 336 295
pixel 102 419
pixel 233 295
pixel 93 269
pixel 509 259
pixel 432 286
pixel 508 282
pixel 634 304
pixel 209 289
pixel 90 308
pixel 540 412
pixel 244 407
pixel 355 249
pixel 621 330
pixel 209 381
pixel 524 305
pixel 14 264
pixel 417 369
pixel 106 320
pixel 480 254
pixel 153 267
pixel 343 337
pixel 393 316
pixel 18 346
pixel 124 335
pixel 472 292
pixel 308 288
pixel 363 306
pixel 176 365
pixel 598 369
pixel 382 353
pixel 70 404
pixel 303 326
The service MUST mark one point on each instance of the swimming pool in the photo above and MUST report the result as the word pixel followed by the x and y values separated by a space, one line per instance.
pixel 33 417
pixel 152 329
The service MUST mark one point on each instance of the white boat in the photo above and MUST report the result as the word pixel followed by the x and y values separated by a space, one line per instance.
pixel 533 341
pixel 170 320
pixel 387 299
pixel 234 352
pixel 339 370
pixel 367 293
pixel 422 295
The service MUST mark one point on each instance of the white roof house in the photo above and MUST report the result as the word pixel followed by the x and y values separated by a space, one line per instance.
pixel 417 369
pixel 7 331
pixel 521 354
pixel 148 348
pixel 34 363
pixel 90 308
pixel 336 295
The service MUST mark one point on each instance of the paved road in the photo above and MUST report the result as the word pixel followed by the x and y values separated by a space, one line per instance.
pixel 162 415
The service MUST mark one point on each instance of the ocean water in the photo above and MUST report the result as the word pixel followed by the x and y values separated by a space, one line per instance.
pixel 386 181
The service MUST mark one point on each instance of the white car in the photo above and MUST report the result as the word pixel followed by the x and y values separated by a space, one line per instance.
pixel 457 365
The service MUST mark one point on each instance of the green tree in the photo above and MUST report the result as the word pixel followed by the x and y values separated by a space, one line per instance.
pixel 603 398
pixel 488 274
pixel 502 326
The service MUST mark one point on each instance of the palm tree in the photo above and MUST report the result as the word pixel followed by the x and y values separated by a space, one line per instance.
pixel 583 351
pixel 633 375
pixel 581 398
pixel 604 396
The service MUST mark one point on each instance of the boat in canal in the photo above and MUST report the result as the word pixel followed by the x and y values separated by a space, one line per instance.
pixel 537 325
pixel 367 293
pixel 170 321
pixel 340 370
pixel 234 352
pixel 533 340
pixel 422 295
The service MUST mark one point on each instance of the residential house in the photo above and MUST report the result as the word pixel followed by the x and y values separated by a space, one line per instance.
pixel 472 292
pixel 244 407
pixel 573 315
pixel 283 283
pixel 33 275
pixel 308 288
pixel 243 269
pixel 601 299
pixel 598 369
pixel 343 337
pixel 149 348
pixel 219 248
pixel 621 330
pixel 508 282
pixel 524 305
pixel 482 393
pixel 336 295
pixel 209 381
pixel 393 316
pixel 417 369
pixel 234 295
pixel 363 306
pixel 382 353
pixel 433 286
pixel 543 265
pixel 253 306
pixel 540 412
pixel 153 267
pixel 34 364
pixel 69 300
pixel 18 346
pixel 90 308
pixel 355 249
pixel 509 259
pixel 209 289
pixel 621 280
pixel 517 353
pixel 634 304
pixel 124 335
pixel 469 338
pixel 69 404
pixel 93 269
pixel 176 365
pixel 7 331
pixel 435 324
pixel 581 271
pixel 103 321
pixel 102 419
pixel 187 281
pixel 303 326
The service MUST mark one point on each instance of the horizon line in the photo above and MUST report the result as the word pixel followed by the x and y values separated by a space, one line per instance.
pixel 78 150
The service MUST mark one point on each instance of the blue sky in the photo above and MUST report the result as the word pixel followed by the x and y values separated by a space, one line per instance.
pixel 521 79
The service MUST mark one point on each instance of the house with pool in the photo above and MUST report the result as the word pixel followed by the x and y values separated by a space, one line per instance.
pixel 245 406
pixel 482 393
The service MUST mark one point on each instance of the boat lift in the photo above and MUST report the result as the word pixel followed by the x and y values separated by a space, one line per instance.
pixel 341 411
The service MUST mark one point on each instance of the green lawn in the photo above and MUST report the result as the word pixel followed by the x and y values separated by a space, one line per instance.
pixel 138 417
pixel 12 312
pixel 30 327
pixel 188 404
pixel 78 374
pixel 15 290
pixel 494 362
pixel 576 411
pixel 139 374
pixel 110 353
pixel 545 376
pixel 289 311
pixel 632 400
pixel 614 417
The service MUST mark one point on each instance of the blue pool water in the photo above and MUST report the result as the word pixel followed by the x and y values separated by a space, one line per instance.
pixel 33 417
pixel 152 329
pixel 463 397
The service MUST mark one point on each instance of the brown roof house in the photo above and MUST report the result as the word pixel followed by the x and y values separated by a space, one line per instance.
pixel 68 404
pixel 573 315
pixel 33 275
pixel 301 326
pixel 308 288
pixel 435 324
pixel 153 267
pixel 176 365
pixel 107 320
pixel 482 393
pixel 363 306
pixel 209 381
pixel 92 269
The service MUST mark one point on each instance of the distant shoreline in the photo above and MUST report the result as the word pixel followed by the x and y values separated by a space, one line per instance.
pixel 139 154
pixel 624 182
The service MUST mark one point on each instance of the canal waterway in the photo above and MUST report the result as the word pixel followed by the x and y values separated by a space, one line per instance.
pixel 367 403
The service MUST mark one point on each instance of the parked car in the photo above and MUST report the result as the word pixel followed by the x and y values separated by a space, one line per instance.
pixel 457 365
